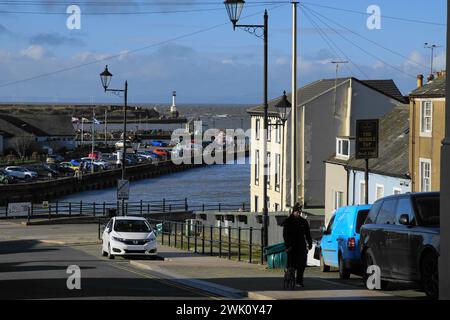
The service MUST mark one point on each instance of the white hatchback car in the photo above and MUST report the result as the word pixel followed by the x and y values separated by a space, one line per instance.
pixel 128 236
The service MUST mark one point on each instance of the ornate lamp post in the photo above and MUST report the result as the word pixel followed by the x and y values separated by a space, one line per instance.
pixel 234 9
pixel 106 77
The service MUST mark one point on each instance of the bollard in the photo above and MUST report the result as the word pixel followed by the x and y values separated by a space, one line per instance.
pixel 250 244
pixel 229 242
pixel 239 243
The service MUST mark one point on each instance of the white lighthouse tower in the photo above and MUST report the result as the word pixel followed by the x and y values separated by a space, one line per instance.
pixel 173 108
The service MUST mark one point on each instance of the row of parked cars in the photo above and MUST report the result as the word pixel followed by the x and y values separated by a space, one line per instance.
pixel 399 234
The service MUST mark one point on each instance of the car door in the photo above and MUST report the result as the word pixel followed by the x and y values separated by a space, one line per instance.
pixel 382 241
pixel 326 242
pixel 105 236
pixel 401 253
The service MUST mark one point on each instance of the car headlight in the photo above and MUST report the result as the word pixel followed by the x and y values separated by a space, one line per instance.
pixel 151 238
pixel 118 239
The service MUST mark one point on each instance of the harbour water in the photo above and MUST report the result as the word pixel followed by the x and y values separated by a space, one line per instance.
pixel 226 184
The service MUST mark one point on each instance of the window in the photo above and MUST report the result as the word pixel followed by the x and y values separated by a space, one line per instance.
pixel 362 192
pixel 268 169
pixel 379 193
pixel 330 225
pixel 257 128
pixel 397 191
pixel 343 148
pixel 404 207
pixel 426 118
pixel 269 133
pixel 277 207
pixel 256 204
pixel 425 175
pixel 387 212
pixel 278 132
pixel 257 167
pixel 362 216
pixel 373 213
pixel 268 202
pixel 277 171
pixel 338 199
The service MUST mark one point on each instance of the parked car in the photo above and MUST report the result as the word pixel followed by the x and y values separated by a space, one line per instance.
pixel 157 143
pixel 43 170
pixel 103 165
pixel 401 236
pixel 340 241
pixel 119 144
pixel 160 152
pixel 70 165
pixel 5 177
pixel 95 155
pixel 54 158
pixel 21 173
pixel 128 236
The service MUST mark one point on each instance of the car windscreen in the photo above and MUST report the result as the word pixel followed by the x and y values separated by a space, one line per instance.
pixel 428 209
pixel 362 215
pixel 131 226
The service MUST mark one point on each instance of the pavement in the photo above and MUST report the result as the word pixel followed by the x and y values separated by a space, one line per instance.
pixel 207 277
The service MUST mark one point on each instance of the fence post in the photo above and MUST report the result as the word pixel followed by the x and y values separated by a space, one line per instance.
pixel 93 209
pixel 162 233
pixel 170 231
pixel 185 205
pixel 203 207
pixel 239 243
pixel 195 238
pixel 229 242
pixel 164 205
pixel 70 209
pixel 6 208
pixel 220 240
pixel 104 208
pixel 243 206
pixel 189 235
pixel 28 218
pixel 141 207
pixel 32 208
pixel 81 207
pixel 99 229
pixel 126 208
pixel 148 208
pixel 219 207
pixel 176 226
pixel 181 235
pixel 250 244
pixel 49 211
pixel 57 207
pixel 211 234
pixel 203 239
pixel 262 246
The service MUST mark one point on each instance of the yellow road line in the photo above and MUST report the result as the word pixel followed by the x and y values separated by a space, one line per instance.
pixel 171 283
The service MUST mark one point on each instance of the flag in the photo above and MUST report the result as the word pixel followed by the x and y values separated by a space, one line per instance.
pixel 75 120
pixel 96 121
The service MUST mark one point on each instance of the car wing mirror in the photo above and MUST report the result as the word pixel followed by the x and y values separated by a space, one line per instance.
pixel 323 230
pixel 404 220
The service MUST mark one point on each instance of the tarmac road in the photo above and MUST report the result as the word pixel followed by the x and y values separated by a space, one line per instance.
pixel 32 270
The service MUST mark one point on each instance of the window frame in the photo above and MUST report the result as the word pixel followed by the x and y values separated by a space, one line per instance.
pixel 335 199
pixel 257 169
pixel 269 164
pixel 257 128
pixel 340 148
pixel 362 192
pixel 425 132
pixel 377 186
pixel 425 161
pixel 277 171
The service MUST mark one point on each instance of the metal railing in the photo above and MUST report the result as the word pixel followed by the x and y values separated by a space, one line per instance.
pixel 221 241
pixel 83 208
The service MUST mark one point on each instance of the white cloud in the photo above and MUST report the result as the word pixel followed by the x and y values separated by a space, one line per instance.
pixel 35 52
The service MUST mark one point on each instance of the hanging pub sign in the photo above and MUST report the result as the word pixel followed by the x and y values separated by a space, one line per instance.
pixel 367 139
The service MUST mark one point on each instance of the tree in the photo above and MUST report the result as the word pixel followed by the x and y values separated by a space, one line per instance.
pixel 22 145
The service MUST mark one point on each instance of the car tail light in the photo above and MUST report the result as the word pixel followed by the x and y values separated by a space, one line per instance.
pixel 351 244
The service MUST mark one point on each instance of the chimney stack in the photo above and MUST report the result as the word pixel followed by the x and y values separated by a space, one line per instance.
pixel 430 77
pixel 419 80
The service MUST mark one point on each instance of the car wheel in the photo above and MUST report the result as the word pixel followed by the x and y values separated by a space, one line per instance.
pixel 430 275
pixel 27 178
pixel 110 255
pixel 344 273
pixel 368 260
pixel 323 266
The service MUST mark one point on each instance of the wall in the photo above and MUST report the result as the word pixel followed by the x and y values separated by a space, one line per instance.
pixel 389 184
pixel 426 147
pixel 335 180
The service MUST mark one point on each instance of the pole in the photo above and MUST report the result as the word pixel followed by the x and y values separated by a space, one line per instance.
pixel 82 129
pixel 124 152
pixel 266 127
pixel 106 125
pixel 294 107
pixel 366 176
pixel 93 139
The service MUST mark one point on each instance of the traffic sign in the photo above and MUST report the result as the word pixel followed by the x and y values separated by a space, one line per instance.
pixel 123 189
pixel 367 139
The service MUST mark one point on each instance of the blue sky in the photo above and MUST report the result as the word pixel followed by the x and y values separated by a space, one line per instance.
pixel 214 66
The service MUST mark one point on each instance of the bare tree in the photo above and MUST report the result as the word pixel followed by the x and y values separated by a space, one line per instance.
pixel 22 145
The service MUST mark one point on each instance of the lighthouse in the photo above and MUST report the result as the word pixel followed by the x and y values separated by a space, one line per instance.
pixel 173 108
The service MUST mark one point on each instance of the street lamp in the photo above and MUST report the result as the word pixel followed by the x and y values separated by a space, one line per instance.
pixel 234 9
pixel 284 108
pixel 106 77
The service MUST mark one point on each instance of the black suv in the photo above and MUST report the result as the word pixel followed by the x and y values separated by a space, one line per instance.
pixel 401 236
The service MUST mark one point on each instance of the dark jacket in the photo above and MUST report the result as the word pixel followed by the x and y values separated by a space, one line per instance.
pixel 296 233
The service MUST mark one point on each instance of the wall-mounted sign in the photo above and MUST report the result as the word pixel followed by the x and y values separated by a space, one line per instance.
pixel 367 139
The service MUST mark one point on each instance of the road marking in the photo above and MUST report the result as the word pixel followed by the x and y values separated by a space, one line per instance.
pixel 171 283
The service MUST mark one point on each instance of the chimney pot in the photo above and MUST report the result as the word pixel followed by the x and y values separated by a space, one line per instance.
pixel 430 77
pixel 419 80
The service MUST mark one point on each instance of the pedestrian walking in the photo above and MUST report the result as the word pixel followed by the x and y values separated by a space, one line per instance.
pixel 298 241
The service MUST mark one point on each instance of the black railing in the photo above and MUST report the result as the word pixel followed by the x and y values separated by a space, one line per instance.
pixel 226 242
pixel 83 208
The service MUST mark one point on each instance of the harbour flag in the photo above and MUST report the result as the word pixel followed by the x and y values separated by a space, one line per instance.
pixel 75 120
pixel 96 121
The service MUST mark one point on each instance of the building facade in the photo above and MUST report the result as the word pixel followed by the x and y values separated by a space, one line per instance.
pixel 328 108
pixel 427 111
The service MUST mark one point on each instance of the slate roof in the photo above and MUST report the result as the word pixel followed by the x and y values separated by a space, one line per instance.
pixel 433 89
pixel 317 88
pixel 45 125
pixel 394 146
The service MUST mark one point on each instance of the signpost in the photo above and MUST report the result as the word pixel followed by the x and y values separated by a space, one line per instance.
pixel 19 208
pixel 123 192
pixel 367 140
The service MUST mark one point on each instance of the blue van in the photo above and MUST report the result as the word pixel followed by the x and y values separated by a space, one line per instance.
pixel 339 246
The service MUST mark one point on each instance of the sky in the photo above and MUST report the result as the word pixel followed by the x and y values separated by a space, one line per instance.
pixel 189 46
